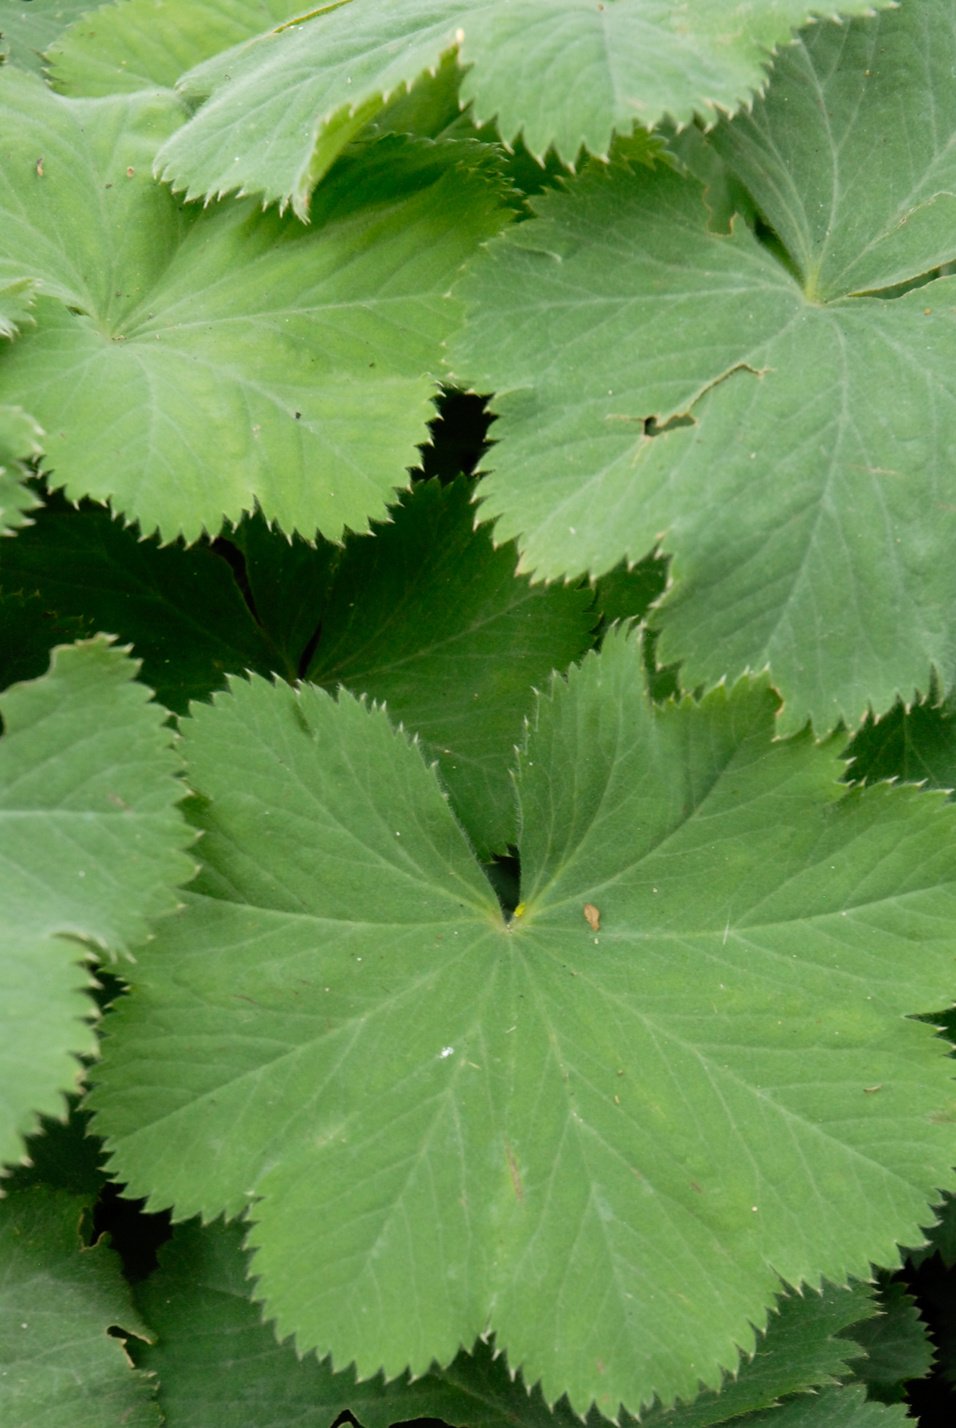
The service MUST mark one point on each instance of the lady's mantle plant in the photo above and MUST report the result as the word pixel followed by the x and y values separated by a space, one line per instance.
pixel 598 1129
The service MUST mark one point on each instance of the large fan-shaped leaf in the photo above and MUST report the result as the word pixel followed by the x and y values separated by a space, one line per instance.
pixel 803 485
pixel 605 1129
pixel 188 364
pixel 562 74
pixel 90 852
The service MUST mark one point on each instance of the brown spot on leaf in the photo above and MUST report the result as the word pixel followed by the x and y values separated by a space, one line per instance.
pixel 514 1172
pixel 592 917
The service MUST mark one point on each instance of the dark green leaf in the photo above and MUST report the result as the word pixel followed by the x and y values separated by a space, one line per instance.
pixel 58 1301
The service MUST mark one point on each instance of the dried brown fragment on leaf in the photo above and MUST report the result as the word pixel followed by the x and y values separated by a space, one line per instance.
pixel 592 917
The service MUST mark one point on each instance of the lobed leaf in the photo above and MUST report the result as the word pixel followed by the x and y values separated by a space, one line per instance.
pixel 604 1130
pixel 561 74
pixel 91 852
pixel 730 398
pixel 188 365
pixel 215 1360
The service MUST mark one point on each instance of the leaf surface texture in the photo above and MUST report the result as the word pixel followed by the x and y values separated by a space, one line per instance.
pixel 552 1131
pixel 784 422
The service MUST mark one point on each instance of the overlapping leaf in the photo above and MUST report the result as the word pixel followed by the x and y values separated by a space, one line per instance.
pixel 809 1343
pixel 27 29
pixel 898 1349
pixel 189 364
pixel 430 619
pixel 846 1407
pixel 16 299
pixel 605 1143
pixel 58 1302
pixel 781 426
pixel 20 439
pixel 141 44
pixel 91 850
pixel 214 1359
pixel 562 74
pixel 916 745
pixel 181 610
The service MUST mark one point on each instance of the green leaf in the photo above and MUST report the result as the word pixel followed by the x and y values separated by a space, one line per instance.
pixel 915 745
pixel 429 619
pixel 196 363
pixel 147 44
pixel 215 1360
pixel 61 1155
pixel 562 74
pixel 91 852
pixel 897 1347
pixel 217 1364
pixel 746 428
pixel 558 1133
pixel 802 1349
pixel 16 299
pixel 805 151
pixel 28 28
pixel 27 633
pixel 940 1237
pixel 20 439
pixel 845 1407
pixel 180 609
pixel 58 1302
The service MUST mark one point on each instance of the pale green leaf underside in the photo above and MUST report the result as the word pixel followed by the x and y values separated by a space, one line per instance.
pixel 601 1145
pixel 91 849
pixel 58 1301
pixel 805 497
pixel 562 74
pixel 187 365
pixel 145 44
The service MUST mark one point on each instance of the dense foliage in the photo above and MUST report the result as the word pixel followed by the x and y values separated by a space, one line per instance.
pixel 477 874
